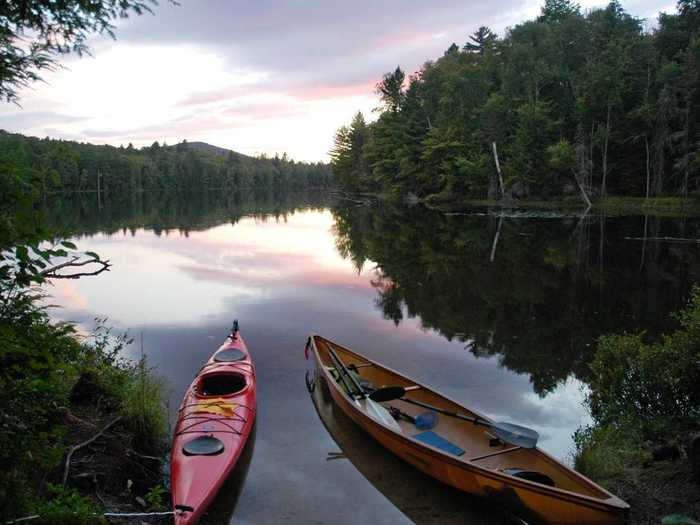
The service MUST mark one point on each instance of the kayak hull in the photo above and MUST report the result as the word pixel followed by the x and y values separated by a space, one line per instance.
pixel 480 470
pixel 214 424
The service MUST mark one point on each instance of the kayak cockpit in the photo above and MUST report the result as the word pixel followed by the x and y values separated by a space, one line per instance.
pixel 220 384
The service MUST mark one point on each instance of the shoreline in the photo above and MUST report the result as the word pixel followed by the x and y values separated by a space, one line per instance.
pixel 612 206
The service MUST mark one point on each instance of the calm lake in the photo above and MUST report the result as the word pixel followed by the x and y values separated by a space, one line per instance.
pixel 499 310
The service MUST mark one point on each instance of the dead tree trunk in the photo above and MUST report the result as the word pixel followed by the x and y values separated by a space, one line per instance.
pixel 495 239
pixel 646 146
pixel 498 169
pixel 605 154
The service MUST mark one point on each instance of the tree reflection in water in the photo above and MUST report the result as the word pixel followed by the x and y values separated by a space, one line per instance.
pixel 536 291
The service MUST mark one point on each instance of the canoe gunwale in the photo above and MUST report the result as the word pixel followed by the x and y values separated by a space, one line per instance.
pixel 611 504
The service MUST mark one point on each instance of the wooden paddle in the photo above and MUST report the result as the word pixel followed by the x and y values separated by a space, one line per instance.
pixel 510 433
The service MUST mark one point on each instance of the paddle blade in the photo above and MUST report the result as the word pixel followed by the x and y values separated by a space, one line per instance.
pixel 515 434
pixel 388 393
pixel 426 420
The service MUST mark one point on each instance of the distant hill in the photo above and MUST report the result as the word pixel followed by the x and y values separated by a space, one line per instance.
pixel 209 148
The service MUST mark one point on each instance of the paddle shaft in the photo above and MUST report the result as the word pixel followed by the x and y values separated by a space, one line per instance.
pixel 360 391
pixel 474 420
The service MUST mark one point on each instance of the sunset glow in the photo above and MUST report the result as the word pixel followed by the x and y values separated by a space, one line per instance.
pixel 251 77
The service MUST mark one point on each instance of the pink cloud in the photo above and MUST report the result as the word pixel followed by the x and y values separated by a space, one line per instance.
pixel 302 92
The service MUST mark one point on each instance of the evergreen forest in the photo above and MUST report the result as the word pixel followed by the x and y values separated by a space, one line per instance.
pixel 58 166
pixel 579 104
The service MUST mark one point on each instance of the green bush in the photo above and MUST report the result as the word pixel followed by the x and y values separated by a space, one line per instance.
pixel 143 403
pixel 604 453
pixel 649 383
pixel 156 498
pixel 640 392
pixel 67 506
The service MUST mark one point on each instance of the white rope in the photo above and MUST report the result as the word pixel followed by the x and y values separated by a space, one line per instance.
pixel 106 515
pixel 137 514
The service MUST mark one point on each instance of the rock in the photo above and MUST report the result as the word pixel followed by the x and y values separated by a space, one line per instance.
pixel 141 501
pixel 666 452
pixel 519 191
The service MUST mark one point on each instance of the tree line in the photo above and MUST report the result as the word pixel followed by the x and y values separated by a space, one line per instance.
pixel 571 103
pixel 52 166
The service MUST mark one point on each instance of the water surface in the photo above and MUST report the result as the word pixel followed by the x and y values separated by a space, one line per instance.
pixel 498 312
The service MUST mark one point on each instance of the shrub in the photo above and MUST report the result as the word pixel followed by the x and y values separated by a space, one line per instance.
pixel 652 384
pixel 67 506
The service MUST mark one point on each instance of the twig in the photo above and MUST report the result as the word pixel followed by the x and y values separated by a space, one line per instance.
pixel 74 262
pixel 144 456
pixel 84 444
pixel 20 520
pixel 664 239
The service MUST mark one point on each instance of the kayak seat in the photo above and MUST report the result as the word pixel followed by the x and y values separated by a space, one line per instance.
pixel 434 440
pixel 221 384
pixel 203 446
pixel 229 355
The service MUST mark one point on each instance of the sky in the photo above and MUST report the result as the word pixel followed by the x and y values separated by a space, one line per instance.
pixel 265 76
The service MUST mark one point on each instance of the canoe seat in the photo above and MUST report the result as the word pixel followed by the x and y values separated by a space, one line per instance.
pixel 363 382
pixel 431 438
pixel 530 475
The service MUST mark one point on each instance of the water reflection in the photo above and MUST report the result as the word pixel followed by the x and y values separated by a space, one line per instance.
pixel 413 289
pixel 421 498
pixel 534 292
pixel 221 510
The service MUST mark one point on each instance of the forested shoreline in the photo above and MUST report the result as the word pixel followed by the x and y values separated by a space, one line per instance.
pixel 59 166
pixel 572 104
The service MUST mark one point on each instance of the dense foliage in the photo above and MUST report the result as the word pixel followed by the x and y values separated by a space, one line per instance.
pixel 646 382
pixel 574 103
pixel 34 32
pixel 41 363
pixel 644 400
pixel 63 166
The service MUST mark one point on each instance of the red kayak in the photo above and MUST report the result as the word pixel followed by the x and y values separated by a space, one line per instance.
pixel 213 425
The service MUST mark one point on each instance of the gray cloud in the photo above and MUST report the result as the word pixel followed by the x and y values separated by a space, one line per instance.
pixel 323 41
pixel 34 119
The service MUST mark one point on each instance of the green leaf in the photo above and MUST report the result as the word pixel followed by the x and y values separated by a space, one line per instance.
pixel 22 253
pixel 69 245
pixel 92 254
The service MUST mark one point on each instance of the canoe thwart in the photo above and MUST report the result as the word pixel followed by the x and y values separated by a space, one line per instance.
pixel 505 451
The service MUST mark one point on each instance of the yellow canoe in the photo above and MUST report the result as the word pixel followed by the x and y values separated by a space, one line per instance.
pixel 466 456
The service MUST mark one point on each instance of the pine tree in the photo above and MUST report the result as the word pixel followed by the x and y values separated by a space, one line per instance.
pixel 390 90
pixel 482 40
